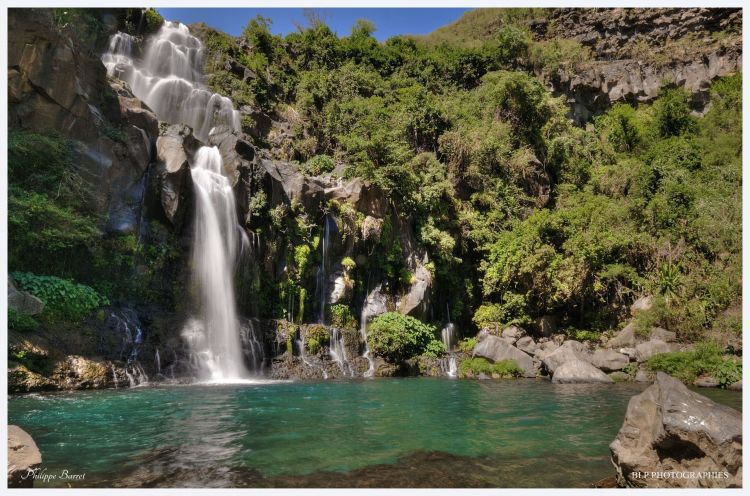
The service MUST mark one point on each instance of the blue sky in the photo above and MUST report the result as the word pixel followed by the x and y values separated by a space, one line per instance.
pixel 388 22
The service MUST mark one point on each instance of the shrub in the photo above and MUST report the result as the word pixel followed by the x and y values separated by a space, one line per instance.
pixel 467 345
pixel 62 298
pixel 706 358
pixel 488 313
pixel 316 336
pixel 20 322
pixel 434 349
pixel 341 316
pixel 318 165
pixel 672 111
pixel 398 337
pixel 348 263
pixel 472 367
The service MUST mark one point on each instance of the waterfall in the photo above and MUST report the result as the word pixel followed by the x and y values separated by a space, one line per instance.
pixel 363 316
pixel 338 352
pixel 158 362
pixel 215 339
pixel 168 79
pixel 321 281
pixel 448 336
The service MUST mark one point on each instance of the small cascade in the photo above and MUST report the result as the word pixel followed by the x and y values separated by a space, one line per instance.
pixel 363 331
pixel 114 375
pixel 158 361
pixel 125 323
pixel 252 345
pixel 321 280
pixel 338 352
pixel 299 344
pixel 168 79
pixel 448 335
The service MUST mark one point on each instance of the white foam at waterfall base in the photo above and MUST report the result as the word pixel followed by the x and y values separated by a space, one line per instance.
pixel 168 79
pixel 214 337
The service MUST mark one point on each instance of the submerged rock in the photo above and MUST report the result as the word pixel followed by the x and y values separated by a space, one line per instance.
pixel 579 372
pixel 23 457
pixel 672 430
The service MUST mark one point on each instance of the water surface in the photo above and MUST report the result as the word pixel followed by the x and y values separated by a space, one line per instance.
pixel 415 432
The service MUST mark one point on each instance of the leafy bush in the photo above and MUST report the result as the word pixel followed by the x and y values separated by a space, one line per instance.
pixel 318 165
pixel 398 337
pixel 706 358
pixel 63 299
pixel 316 337
pixel 434 349
pixel 20 322
pixel 467 345
pixel 472 367
pixel 341 316
pixel 672 111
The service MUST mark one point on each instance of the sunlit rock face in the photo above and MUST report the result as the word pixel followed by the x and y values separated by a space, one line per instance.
pixel 168 79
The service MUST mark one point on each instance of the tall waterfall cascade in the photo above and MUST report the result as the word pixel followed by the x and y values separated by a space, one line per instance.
pixel 168 79
pixel 215 338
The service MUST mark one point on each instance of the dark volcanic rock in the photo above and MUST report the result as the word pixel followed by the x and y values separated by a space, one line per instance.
pixel 669 428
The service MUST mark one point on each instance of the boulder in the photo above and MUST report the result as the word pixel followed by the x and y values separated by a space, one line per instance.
pixel 23 302
pixel 558 357
pixel 626 338
pixel 579 372
pixel 341 289
pixel 644 375
pixel 513 333
pixel 172 181
pixel 663 335
pixel 497 349
pixel 417 301
pixel 23 458
pixel 77 372
pixel 669 428
pixel 527 345
pixel 642 304
pixel 375 303
pixel 609 360
pixel 646 350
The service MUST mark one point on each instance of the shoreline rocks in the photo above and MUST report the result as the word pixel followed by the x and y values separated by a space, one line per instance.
pixel 23 456
pixel 670 429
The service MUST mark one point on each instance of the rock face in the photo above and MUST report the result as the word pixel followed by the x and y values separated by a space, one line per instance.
pixel 57 86
pixel 171 181
pixel 579 372
pixel 636 50
pixel 497 349
pixel 23 457
pixel 77 372
pixel 669 428
pixel 23 302
pixel 416 301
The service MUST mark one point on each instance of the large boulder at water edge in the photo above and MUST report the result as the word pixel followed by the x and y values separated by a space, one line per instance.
pixel 689 439
pixel 559 356
pixel 579 372
pixel 497 349
pixel 23 458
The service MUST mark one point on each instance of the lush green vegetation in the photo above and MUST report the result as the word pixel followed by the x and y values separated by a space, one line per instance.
pixel 523 213
pixel 706 359
pixel 62 298
pixel 504 369
pixel 398 337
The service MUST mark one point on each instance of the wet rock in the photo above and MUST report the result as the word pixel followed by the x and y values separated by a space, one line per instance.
pixel 23 302
pixel 669 428
pixel 496 349
pixel 23 458
pixel 646 350
pixel 579 372
pixel 609 360
pixel 23 380
pixel 77 372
